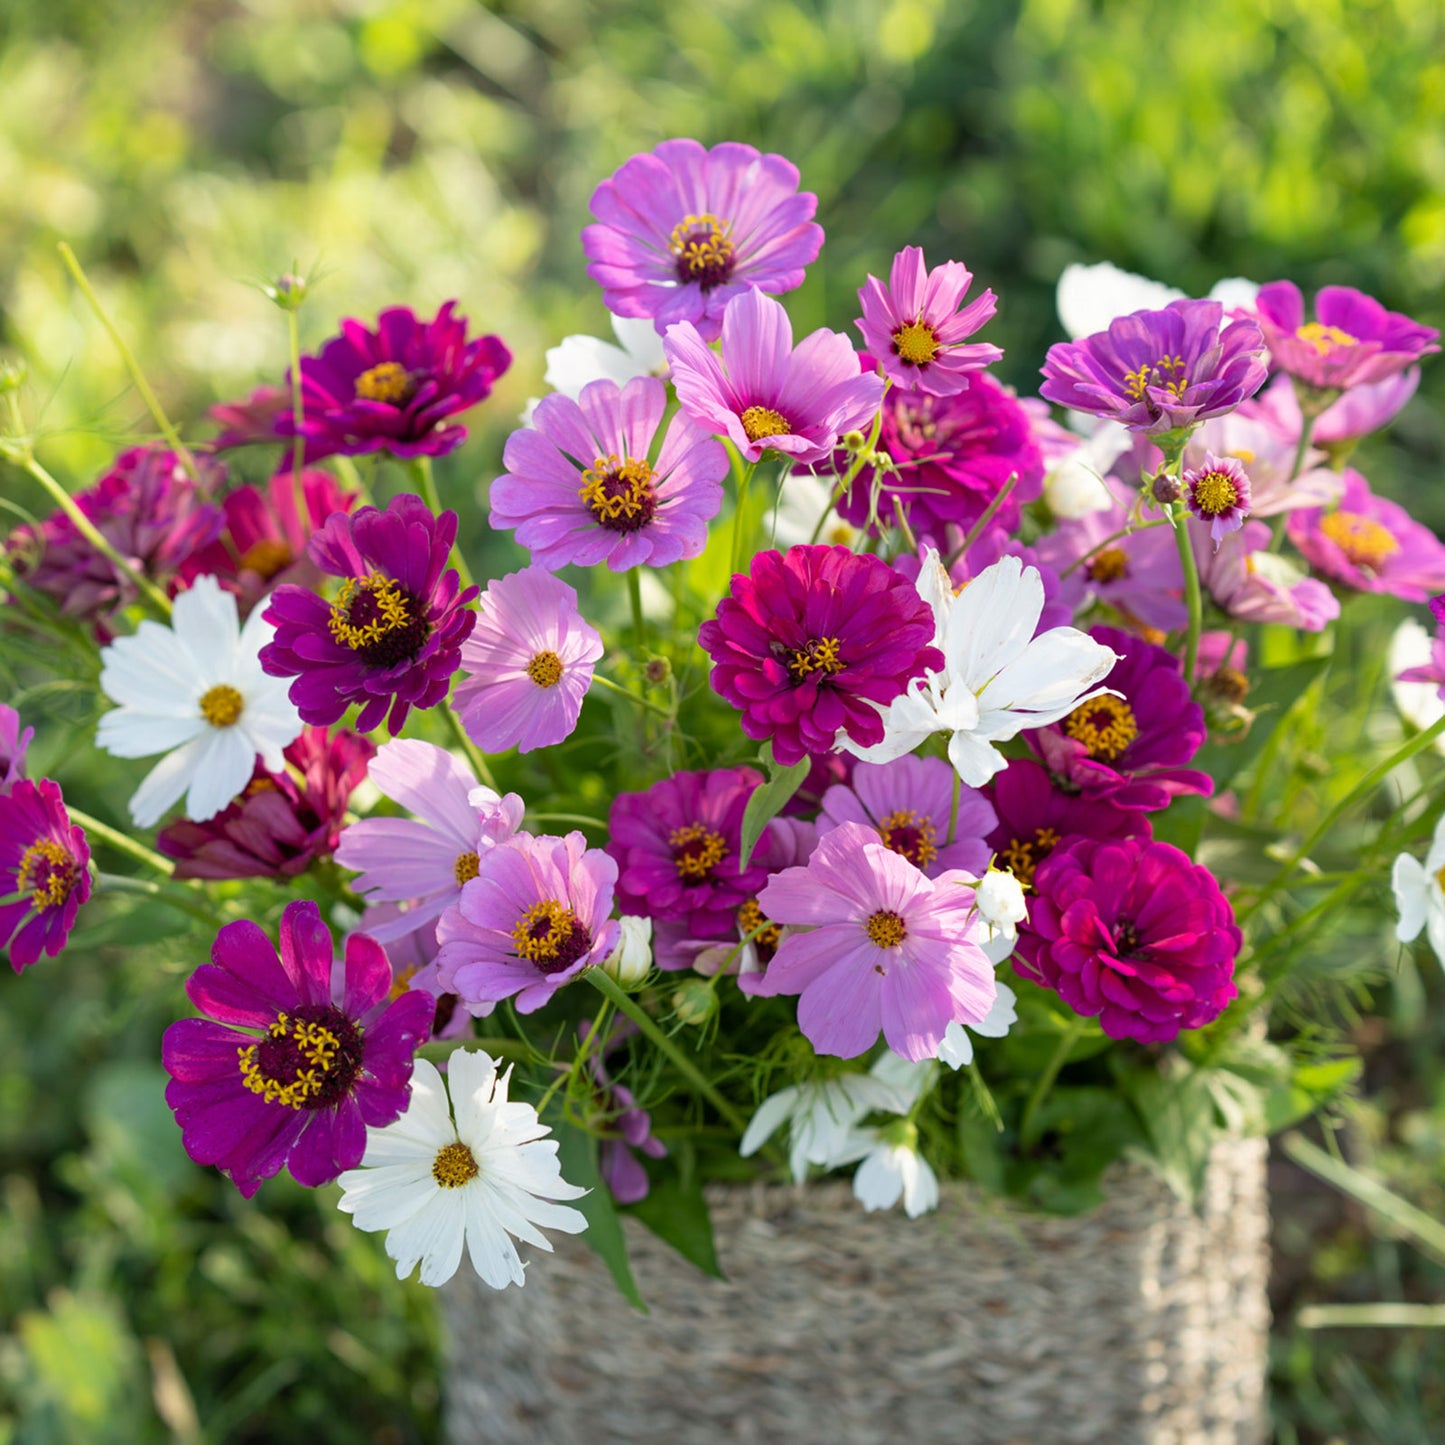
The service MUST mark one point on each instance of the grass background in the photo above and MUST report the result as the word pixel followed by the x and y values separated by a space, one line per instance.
pixel 417 150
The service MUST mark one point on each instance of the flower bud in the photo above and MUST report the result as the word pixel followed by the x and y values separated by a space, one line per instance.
pixel 658 670
pixel 12 374
pixel 855 441
pixel 695 1001
pixel 1166 489
pixel 288 291
pixel 631 961
pixel 999 898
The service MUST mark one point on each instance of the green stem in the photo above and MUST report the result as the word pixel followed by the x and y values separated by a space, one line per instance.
pixel 153 405
pixel 1193 598
pixel 737 547
pixel 1307 428
pixel 163 892
pixel 953 808
pixel 976 531
pixel 122 842
pixel 586 820
pixel 420 468
pixel 599 681
pixel 1046 1079
pixel 469 748
pixel 639 623
pixel 624 1003
pixel 298 415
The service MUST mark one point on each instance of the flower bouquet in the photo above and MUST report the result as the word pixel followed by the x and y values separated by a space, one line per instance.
pixel 865 771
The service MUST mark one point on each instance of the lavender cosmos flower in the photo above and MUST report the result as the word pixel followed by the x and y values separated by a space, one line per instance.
pixel 579 487
pixel 682 230
pixel 296 1057
pixel 530 664
pixel 279 825
pixel 625 1126
pixel 392 638
pixel 148 507
pixel 764 395
pixel 1353 339
pixel 424 860
pixel 1159 371
pixel 915 326
pixel 1248 581
pixel 954 454
pixel 13 744
pixel 1133 933
pixel 1130 748
pixel 44 869
pixel 531 920
pixel 1371 544
pixel 393 388
pixel 887 948
pixel 1218 493
pixel 910 802
pixel 809 640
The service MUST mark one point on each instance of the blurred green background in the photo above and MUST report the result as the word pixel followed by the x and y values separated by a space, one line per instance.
pixel 416 150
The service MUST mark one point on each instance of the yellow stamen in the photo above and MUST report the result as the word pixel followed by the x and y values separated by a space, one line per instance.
pixel 1024 857
pixel 221 705
pixel 1105 726
pixel 619 491
pixel 921 848
pixel 545 669
pixel 916 343
pixel 316 1045
pixel 454 1166
pixel 1165 375
pixel 762 421
pixel 388 381
pixel 696 850
pixel 467 866
pixel 1325 338
pixel 886 929
pixel 1364 542
pixel 268 557
pixel 752 919
pixel 703 248
pixel 1108 564
pixel 542 930
pixel 820 655
pixel 392 612
pixel 47 872
pixel 1215 493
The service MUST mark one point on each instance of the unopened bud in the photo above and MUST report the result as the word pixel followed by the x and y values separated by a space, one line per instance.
pixel 1000 900
pixel 694 1001
pixel 12 374
pixel 855 441
pixel 288 291
pixel 631 961
pixel 1166 489
pixel 658 670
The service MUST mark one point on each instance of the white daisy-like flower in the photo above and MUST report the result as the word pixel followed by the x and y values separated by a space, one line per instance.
pixel 956 1050
pixel 998 678
pixel 577 360
pixel 195 691
pixel 437 1185
pixel 999 897
pixel 1419 896
pixel 1090 297
pixel 893 1169
pixel 802 500
pixel 1418 702
pixel 820 1118
pixel 1075 485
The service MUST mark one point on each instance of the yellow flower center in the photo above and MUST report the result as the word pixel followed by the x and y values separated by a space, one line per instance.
pixel 820 655
pixel 1105 726
pixel 268 557
pixel 1440 879
pixel 1166 374
pixel 1215 493
pixel 696 851
pixel 703 250
pixel 914 837
pixel 374 617
pixel 545 669
pixel 467 866
pixel 766 933
pixel 1108 564
pixel 221 706
pixel 886 929
pixel 307 1059
pixel 619 493
pixel 388 381
pixel 1023 857
pixel 915 343
pixel 762 421
pixel 454 1166
pixel 1325 338
pixel 47 873
pixel 550 936
pixel 1366 543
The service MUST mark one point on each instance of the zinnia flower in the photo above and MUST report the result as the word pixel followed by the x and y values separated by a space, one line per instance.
pixel 579 487
pixel 44 871
pixel 1419 898
pixel 764 395
pixel 1133 933
pixel 392 638
pixel 13 744
pixel 1218 493
pixel 915 327
pixel 529 664
pixel 812 644
pixel 682 230
pixel 197 692
pixel 300 1057
pixel 392 389
pixel 473 1173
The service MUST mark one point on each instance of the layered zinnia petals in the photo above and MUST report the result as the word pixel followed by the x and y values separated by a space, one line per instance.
pixel 44 871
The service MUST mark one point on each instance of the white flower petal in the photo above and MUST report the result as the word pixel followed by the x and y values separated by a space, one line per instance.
pixel 166 782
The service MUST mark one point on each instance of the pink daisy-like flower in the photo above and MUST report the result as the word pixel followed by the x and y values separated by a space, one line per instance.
pixel 295 1057
pixel 13 744
pixel 1248 581
pixel 915 327
pixel 1261 438
pixel 682 230
pixel 531 920
pixel 764 395
pixel 886 948
pixel 1218 493
pixel 424 860
pixel 808 641
pixel 579 487
pixel 392 638
pixel 392 389
pixel 250 422
pixel 1371 544
pixel 44 871
pixel 529 664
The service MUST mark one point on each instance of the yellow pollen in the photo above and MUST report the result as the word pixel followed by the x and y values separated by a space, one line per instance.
pixel 545 669
pixel 268 557
pixel 1215 493
pixel 921 848
pixel 762 421
pixel 915 343
pixel 401 981
pixel 1105 726
pixel 820 655
pixel 1108 565
pixel 1243 456
pixel 1165 375
pixel 752 919
pixel 317 1047
pixel 630 494
pixel 542 930
pixel 454 1166
pixel 696 851
pixel 1024 857
pixel 1440 879
pixel 886 929
pixel 702 245
pixel 467 866
pixel 47 872
pixel 1364 542
pixel 389 382
pixel 392 612
pixel 1325 338
pixel 221 705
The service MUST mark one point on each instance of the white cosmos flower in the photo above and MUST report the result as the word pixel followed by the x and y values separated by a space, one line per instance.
pixel 195 691
pixel 893 1169
pixel 803 499
pixel 1418 894
pixel 576 360
pixel 1419 702
pixel 956 1050
pixel 436 1186
pixel 820 1116
pixel 1090 297
pixel 998 678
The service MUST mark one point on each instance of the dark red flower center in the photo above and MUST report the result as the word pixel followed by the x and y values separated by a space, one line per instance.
pixel 915 838
pixel 1126 940
pixel 378 620
pixel 1024 856
pixel 550 936
pixel 47 873
pixel 1105 726
pixel 619 493
pixel 696 852
pixel 702 250
pixel 309 1058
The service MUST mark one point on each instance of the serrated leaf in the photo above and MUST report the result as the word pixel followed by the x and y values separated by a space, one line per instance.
pixel 577 1154
pixel 769 800
pixel 676 1212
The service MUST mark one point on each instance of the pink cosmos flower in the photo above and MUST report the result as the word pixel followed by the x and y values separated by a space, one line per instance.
pixel 579 487
pixel 764 395
pixel 13 744
pixel 888 948
pixel 1250 582
pixel 531 920
pixel 44 871
pixel 682 230
pixel 1218 493
pixel 915 327
pixel 413 966
pixel 424 860
pixel 530 664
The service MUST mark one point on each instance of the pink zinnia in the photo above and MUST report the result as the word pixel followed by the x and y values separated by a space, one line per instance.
pixel 914 325
pixel 44 868
pixel 764 395
pixel 886 948
pixel 530 664
pixel 13 744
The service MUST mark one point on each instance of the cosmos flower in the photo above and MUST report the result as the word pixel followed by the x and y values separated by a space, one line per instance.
pixel 1419 898
pixel 1218 492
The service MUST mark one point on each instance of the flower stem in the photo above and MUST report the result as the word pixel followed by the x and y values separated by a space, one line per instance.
pixel 639 623
pixel 1193 598
pixel 599 681
pixel 121 842
pixel 167 893
pixel 472 752
pixel 1046 1079
pixel 737 547
pixel 298 414
pixel 420 468
pixel 976 531
pixel 1127 531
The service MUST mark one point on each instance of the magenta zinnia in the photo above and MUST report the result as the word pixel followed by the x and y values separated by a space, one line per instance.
pixel 44 869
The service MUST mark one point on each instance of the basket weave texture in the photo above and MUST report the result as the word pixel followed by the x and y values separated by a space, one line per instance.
pixel 1142 1321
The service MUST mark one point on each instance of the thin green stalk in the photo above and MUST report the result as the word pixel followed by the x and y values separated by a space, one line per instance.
pixel 420 468
pixel 472 752
pixel 606 682
pixel 1112 537
pixel 953 807
pixel 1046 1079
pixel 737 546
pixel 298 415
pixel 167 893
pixel 122 842
pixel 976 531
pixel 1386 1315
pixel 639 623
pixel 1307 428
pixel 1193 598
pixel 153 405
pixel 586 819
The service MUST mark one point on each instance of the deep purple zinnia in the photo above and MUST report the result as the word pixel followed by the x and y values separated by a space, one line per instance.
pixel 295 1057
pixel 392 637
pixel 1134 933
pixel 810 640
pixel 44 871
pixel 579 487
pixel 1159 371
pixel 1130 749
pixel 393 388
pixel 682 230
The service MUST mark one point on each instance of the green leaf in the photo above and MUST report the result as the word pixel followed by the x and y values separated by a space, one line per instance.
pixel 577 1154
pixel 1081 1132
pixel 769 800
pixel 1179 1122
pixel 676 1212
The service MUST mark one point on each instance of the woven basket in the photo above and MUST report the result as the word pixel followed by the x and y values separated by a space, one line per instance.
pixel 1142 1321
